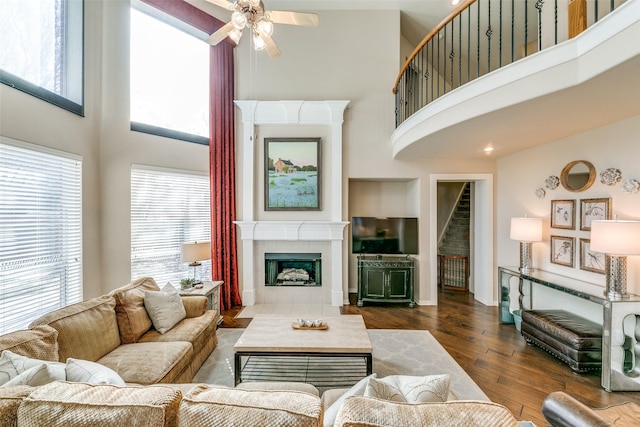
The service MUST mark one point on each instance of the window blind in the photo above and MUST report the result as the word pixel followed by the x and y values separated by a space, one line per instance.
pixel 168 208
pixel 40 232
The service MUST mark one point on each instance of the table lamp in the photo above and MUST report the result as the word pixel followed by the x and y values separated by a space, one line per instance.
pixel 193 253
pixel 526 230
pixel 616 239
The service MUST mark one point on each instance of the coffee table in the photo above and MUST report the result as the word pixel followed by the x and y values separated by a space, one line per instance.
pixel 266 335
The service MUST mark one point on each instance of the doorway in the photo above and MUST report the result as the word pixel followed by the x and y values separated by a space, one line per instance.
pixel 481 278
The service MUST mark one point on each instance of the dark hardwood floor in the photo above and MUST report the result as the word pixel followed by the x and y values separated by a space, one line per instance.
pixel 494 355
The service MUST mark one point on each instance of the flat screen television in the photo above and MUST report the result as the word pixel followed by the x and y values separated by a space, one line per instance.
pixel 372 235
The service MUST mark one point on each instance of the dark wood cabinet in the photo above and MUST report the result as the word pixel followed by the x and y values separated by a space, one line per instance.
pixel 385 279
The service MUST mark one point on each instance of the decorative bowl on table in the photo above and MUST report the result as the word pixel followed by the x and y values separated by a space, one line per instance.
pixel 309 324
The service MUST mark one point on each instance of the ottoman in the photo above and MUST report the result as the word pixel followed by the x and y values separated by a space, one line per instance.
pixel 573 339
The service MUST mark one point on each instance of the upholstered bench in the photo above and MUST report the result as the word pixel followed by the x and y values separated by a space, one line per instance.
pixel 573 339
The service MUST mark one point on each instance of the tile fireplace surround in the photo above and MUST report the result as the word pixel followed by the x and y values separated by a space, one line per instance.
pixel 298 236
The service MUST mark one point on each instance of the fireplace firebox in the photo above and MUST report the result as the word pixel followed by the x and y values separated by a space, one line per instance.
pixel 293 269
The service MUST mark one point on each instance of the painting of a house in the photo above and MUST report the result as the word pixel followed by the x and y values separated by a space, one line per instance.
pixel 284 166
pixel 292 174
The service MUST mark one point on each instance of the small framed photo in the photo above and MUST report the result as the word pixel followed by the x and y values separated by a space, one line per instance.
pixel 563 214
pixel 592 209
pixel 292 174
pixel 563 250
pixel 590 260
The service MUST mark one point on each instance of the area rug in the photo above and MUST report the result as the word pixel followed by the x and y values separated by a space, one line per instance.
pixel 395 352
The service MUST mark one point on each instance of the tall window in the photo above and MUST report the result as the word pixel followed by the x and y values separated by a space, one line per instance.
pixel 168 208
pixel 42 50
pixel 169 76
pixel 40 232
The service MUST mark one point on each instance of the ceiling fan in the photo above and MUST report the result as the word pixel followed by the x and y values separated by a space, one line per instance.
pixel 251 14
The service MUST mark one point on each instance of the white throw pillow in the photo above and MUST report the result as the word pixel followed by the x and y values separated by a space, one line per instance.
pixel 85 371
pixel 358 389
pixel 431 388
pixel 382 390
pixel 165 308
pixel 13 364
pixel 38 375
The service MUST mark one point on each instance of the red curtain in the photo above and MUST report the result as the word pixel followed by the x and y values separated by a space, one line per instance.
pixel 224 256
pixel 222 169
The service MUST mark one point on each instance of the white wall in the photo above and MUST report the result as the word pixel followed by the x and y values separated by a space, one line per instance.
pixel 520 174
pixel 344 58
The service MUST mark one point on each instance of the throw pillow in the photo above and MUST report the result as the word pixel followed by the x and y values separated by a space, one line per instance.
pixel 357 390
pixel 431 388
pixel 84 371
pixel 165 308
pixel 12 365
pixel 382 390
pixel 38 375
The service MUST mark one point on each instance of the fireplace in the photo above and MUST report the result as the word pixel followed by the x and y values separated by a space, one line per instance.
pixel 293 269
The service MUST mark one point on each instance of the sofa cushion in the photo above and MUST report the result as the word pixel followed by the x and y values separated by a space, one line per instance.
pixel 164 308
pixel 133 319
pixel 360 411
pixel 10 400
pixel 78 404
pixel 217 406
pixel 196 330
pixel 41 374
pixel 86 330
pixel 411 389
pixel 85 371
pixel 40 342
pixel 357 389
pixel 13 365
pixel 162 361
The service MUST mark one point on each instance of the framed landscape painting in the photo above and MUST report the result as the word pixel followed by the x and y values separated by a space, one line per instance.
pixel 292 174
pixel 563 250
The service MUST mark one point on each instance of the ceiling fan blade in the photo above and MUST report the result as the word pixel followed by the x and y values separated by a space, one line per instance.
pixel 221 34
pixel 270 46
pixel 293 18
pixel 225 4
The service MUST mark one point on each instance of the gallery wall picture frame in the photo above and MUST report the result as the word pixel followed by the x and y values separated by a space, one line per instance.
pixel 590 260
pixel 593 209
pixel 292 174
pixel 563 213
pixel 563 250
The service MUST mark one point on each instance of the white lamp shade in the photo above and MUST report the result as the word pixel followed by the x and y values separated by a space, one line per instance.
pixel 526 229
pixel 615 237
pixel 195 251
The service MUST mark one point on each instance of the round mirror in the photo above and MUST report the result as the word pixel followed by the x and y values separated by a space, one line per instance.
pixel 578 176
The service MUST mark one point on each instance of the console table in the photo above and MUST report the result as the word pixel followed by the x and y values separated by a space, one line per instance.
pixel 620 343
pixel 385 279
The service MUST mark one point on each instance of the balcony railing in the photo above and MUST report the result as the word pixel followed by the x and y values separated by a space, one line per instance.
pixel 481 36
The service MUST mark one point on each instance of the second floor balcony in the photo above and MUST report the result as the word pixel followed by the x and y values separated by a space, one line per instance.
pixel 490 77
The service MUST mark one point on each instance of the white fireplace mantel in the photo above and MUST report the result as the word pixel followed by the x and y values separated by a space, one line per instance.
pixel 301 113
pixel 291 230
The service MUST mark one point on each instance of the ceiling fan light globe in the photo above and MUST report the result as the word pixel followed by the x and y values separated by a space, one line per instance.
pixel 258 43
pixel 235 35
pixel 265 28
pixel 239 20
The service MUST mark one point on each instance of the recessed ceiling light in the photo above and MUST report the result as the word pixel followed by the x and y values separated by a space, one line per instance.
pixel 488 149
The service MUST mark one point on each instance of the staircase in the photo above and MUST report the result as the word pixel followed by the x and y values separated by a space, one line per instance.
pixel 455 240
pixel 453 250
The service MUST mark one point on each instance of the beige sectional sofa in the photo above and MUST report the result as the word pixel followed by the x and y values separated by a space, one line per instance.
pixel 116 331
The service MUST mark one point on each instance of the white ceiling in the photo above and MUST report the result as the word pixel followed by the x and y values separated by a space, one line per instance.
pixel 610 97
